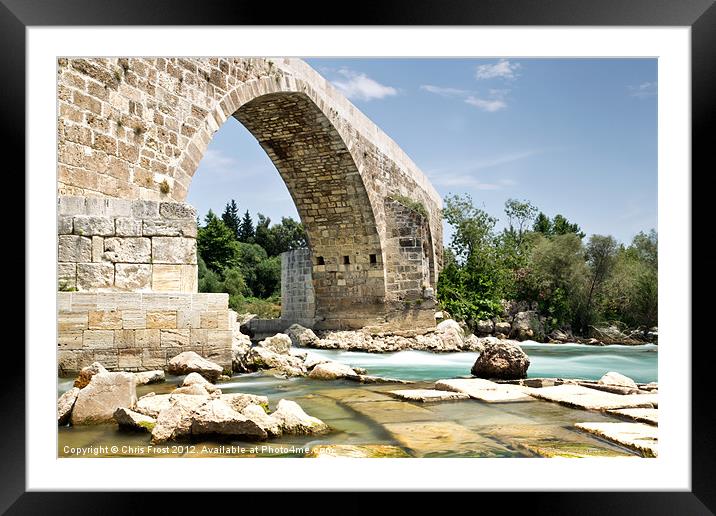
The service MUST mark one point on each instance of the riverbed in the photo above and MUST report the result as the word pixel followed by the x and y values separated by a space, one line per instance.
pixel 366 415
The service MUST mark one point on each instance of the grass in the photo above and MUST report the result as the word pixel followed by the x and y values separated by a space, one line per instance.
pixel 411 204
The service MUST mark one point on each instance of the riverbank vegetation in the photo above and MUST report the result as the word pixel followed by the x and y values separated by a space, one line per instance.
pixel 240 257
pixel 577 283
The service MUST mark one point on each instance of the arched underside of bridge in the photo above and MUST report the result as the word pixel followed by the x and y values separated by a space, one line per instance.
pixel 135 130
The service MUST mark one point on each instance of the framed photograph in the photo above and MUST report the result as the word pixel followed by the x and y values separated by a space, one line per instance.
pixel 424 245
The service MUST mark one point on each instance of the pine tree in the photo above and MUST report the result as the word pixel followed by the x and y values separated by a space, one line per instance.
pixel 246 229
pixel 231 218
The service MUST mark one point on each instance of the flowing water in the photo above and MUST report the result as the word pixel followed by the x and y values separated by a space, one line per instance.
pixel 361 415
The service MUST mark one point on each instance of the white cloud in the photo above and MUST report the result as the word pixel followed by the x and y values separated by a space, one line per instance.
pixel 217 160
pixel 502 69
pixel 359 86
pixel 445 92
pixel 643 90
pixel 489 105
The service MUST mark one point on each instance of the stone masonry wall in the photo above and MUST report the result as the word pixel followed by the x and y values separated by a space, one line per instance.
pixel 107 244
pixel 137 128
pixel 141 331
pixel 298 303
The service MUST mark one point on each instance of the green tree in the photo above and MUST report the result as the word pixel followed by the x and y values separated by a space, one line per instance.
pixel 519 216
pixel 246 229
pixel 542 224
pixel 601 253
pixel 214 243
pixel 230 217
pixel 557 226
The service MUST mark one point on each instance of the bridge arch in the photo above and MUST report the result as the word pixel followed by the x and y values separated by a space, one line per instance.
pixel 345 175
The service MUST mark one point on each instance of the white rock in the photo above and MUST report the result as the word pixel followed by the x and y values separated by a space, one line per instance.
pixel 279 343
pixel 192 390
pixel 239 401
pixel 197 379
pixel 175 421
pixel 105 393
pixel 190 362
pixel 217 417
pixel 639 437
pixel 65 404
pixel 484 390
pixel 331 371
pixel 86 374
pixel 266 422
pixel 130 419
pixel 449 324
pixel 294 420
pixel 147 377
pixel 429 395
pixel 614 378
pixel 301 336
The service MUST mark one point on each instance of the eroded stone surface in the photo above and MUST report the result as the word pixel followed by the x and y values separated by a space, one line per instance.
pixel 640 437
pixel 65 404
pixel 484 390
pixel 640 415
pixel 586 398
pixel 105 393
pixel 429 395
pixel 127 418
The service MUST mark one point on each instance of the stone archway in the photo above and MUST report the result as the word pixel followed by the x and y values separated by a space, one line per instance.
pixel 138 128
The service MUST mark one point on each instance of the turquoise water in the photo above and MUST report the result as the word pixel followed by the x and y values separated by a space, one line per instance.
pixel 546 360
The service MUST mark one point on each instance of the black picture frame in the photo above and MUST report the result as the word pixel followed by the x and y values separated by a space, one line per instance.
pixel 700 15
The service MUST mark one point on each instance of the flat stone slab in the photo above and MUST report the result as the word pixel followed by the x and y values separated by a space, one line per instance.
pixel 640 415
pixel 433 438
pixel 484 390
pixel 635 436
pixel 392 411
pixel 367 451
pixel 592 399
pixel 429 395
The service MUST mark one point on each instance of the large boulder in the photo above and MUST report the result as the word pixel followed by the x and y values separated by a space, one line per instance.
pixel 129 419
pixel 190 362
pixel 268 423
pixel 262 358
pixel 239 401
pixel 216 417
pixel 502 328
pixel 473 343
pixel 294 420
pixel 174 422
pixel 617 379
pixel 151 404
pixel 503 360
pixel 86 374
pixel 240 347
pixel 65 404
pixel 527 326
pixel 448 325
pixel 147 377
pixel 279 343
pixel 197 379
pixel 192 390
pixel 331 371
pixel 105 393
pixel 301 336
pixel 484 327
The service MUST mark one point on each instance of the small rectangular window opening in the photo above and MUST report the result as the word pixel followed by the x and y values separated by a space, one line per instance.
pixel 373 258
pixel 346 260
pixel 320 260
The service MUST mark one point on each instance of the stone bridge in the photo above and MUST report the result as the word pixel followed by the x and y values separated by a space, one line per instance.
pixel 131 135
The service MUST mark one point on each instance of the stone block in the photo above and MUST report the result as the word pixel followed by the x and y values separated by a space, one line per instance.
pixel 129 358
pixel 64 225
pixel 67 276
pixel 71 361
pixel 145 209
pixel 84 301
pixel 127 227
pixel 169 227
pixel 162 319
pixel 95 275
pixel 64 301
pixel 189 278
pixel 71 321
pixel 97 206
pixel 156 301
pixel 71 205
pixel 177 210
pixel 188 318
pixel 88 225
pixel 133 276
pixel 175 338
pixel 149 338
pixel 134 319
pixel 154 358
pixel 175 250
pixel 198 338
pixel 119 207
pixel 74 248
pixel 124 339
pixel 210 320
pixel 166 278
pixel 97 248
pixel 118 300
pixel 218 341
pixel 98 339
pixel 128 250
pixel 104 320
pixel 106 357
pixel 69 340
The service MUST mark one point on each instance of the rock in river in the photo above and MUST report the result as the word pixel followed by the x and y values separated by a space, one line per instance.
pixel 105 393
pixel 613 378
pixel 65 404
pixel 218 418
pixel 147 377
pixel 503 360
pixel 133 420
pixel 331 371
pixel 301 336
pixel 86 374
pixel 294 420
pixel 190 362
pixel 279 343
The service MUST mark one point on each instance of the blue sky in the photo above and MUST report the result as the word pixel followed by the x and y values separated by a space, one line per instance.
pixel 573 136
